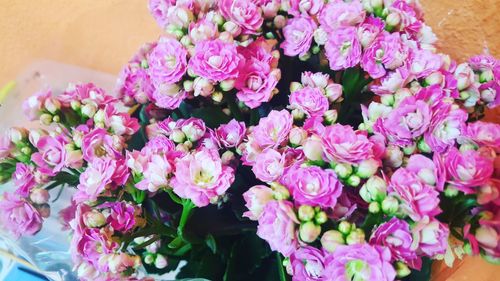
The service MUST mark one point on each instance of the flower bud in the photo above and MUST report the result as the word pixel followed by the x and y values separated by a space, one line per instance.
pixel 488 95
pixel 376 187
pixel 313 149
pixel 410 149
pixel 39 196
pixel 402 270
pixel 149 259
pixel 44 210
pixel 377 3
pixel 188 85
pixel 89 110
pixel 393 156
pixel 345 227
pixel 320 217
pixel 227 157
pixel 227 85
pixel 486 76
pixel 297 136
pixel 279 22
pixel 423 146
pixel 52 105
pixel 367 168
pixel 17 135
pixel 280 192
pixel 333 92
pixel 202 87
pixel 226 37
pixel 450 191
pixel 435 78
pixel 295 86
pixel 178 136
pixel 393 19
pixel 353 180
pixel 217 96
pixel 309 232
pixel 374 207
pixel 160 261
pixel 320 36
pixel 232 28
pixel 75 105
pixel 343 170
pixel 306 213
pixel 94 219
pixel 387 100
pixel 390 205
pixel 331 239
pixel 153 247
pixel 357 236
pixel 330 116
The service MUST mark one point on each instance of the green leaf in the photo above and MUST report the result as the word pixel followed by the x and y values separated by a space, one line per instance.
pixel 212 116
pixel 211 243
pixel 424 274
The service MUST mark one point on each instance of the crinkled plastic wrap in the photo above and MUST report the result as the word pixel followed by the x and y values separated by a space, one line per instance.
pixel 47 251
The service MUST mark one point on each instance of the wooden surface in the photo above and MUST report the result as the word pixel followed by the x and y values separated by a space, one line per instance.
pixel 104 34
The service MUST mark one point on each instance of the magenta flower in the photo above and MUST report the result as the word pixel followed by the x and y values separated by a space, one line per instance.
pixel 447 124
pixel 93 244
pixel 33 106
pixel 98 143
pixel 343 144
pixel 51 156
pixel 418 199
pixel 424 62
pixel 429 171
pixel 310 7
pixel 269 165
pixel 157 172
pixel 273 130
pixel 120 123
pixel 6 146
pixel 134 84
pixel 369 30
pixel 216 60
pixel 277 225
pixel 310 101
pixel 24 179
pixel 202 30
pixel 256 199
pixel 396 236
pixel 232 133
pixel 169 96
pixel 467 169
pixel 407 122
pixel 431 237
pixel 298 34
pixel 159 10
pixel 386 52
pixel 122 216
pixel 256 83
pixel 359 262
pixel 167 61
pixel 201 177
pixel 18 216
pixel 308 264
pixel 244 13
pixel 313 186
pixel 341 14
pixel 343 49
pixel 484 134
pixel 94 180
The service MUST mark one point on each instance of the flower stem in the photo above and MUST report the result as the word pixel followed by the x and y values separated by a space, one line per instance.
pixel 281 269
pixel 187 210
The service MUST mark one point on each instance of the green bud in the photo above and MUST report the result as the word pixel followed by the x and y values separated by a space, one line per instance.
pixel 280 192
pixel 374 207
pixel 343 170
pixel 306 213
pixel 450 191
pixel 390 205
pixel 356 236
pixel 423 146
pixel 402 270
pixel 309 232
pixel 331 239
pixel 387 100
pixel 149 259
pixel 320 217
pixel 353 180
pixel 345 227
pixel 367 168
pixel 409 150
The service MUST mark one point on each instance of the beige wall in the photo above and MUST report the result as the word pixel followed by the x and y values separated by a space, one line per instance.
pixel 103 34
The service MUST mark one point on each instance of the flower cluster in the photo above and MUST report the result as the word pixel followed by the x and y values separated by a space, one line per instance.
pixel 333 130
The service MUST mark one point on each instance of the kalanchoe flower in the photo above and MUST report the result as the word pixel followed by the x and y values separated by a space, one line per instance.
pixel 343 48
pixel 201 177
pixel 307 264
pixel 18 216
pixel 484 133
pixel 231 134
pixel 95 179
pixel 244 13
pixel 269 165
pixel 340 14
pixel 431 237
pixel 386 52
pixel 313 186
pixel 24 179
pixel 277 225
pixel 359 261
pixel 396 236
pixel 447 124
pixel 343 144
pixel 273 130
pixel 98 144
pixel 51 157
pixel 122 216
pixel 34 105
pixel 310 101
pixel 298 35
pixel 167 62
pixel 256 199
pixel 298 7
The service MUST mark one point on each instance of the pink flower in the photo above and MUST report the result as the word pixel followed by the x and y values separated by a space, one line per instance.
pixel 484 133
pixel 467 169
pixel 201 177
pixel 418 199
pixel 202 30
pixel 273 130
pixel 244 13
pixel 232 133
pixel 343 144
pixel 277 225
pixel 310 7
pixel 269 165
pixel 341 14
pixel 216 60
pixel 314 80
pixel 24 179
pixel 120 122
pixel 98 143
pixel 359 262
pixel 447 124
pixel 396 236
pixel 313 186
pixel 169 96
pixel 307 264
pixel 424 62
pixel 167 61
pixel 256 199
pixel 483 62
pixel 310 101
pixel 18 216
pixel 159 10
pixel 51 156
pixel 134 85
pixel 93 244
pixel 122 216
pixel 95 179
pixel 386 52
pixel 34 105
pixel 406 123
pixel 6 146
pixel 85 93
pixel 431 237
pixel 298 34
pixel 369 30
pixel 392 81
pixel 193 128
pixel 429 171
pixel 256 83
pixel 343 49
pixel 157 173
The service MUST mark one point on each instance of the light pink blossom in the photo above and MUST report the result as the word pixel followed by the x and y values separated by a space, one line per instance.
pixel 215 60
pixel 298 35
pixel 343 49
pixel 18 216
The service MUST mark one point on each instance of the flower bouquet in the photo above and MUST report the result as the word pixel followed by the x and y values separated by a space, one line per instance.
pixel 269 140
